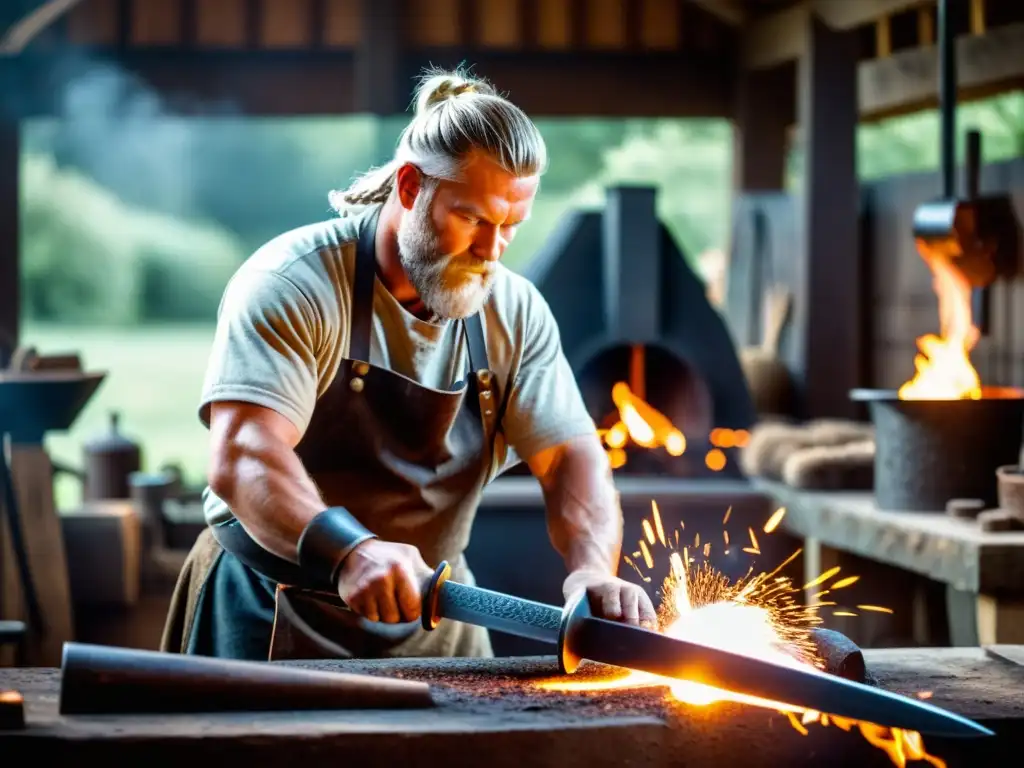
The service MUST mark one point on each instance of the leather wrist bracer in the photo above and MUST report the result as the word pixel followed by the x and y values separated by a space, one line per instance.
pixel 327 540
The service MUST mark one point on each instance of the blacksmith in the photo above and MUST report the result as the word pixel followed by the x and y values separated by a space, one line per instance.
pixel 370 375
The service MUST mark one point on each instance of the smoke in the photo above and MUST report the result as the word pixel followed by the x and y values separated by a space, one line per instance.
pixel 193 157
pixel 118 130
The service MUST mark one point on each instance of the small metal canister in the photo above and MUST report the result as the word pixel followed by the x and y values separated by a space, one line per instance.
pixel 109 462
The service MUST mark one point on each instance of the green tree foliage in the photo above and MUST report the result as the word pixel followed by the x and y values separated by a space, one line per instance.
pixel 87 257
pixel 910 143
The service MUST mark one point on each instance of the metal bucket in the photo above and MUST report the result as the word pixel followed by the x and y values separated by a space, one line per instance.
pixel 930 451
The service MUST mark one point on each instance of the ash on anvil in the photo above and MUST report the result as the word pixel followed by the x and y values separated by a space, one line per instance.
pixel 757 616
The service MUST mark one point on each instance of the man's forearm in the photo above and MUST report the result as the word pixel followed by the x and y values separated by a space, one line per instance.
pixel 266 487
pixel 584 516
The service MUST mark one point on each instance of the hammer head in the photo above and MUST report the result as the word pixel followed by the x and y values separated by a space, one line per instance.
pixel 980 236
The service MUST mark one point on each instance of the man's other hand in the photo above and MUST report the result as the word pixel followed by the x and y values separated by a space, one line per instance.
pixel 613 598
pixel 383 581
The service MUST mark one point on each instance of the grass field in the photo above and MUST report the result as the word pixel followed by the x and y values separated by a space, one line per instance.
pixel 154 378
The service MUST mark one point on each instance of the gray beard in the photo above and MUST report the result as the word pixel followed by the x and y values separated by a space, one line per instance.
pixel 429 270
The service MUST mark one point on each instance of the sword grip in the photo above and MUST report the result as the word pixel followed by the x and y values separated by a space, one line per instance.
pixel 445 599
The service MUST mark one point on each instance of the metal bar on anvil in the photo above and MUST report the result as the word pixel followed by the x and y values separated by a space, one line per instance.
pixel 579 635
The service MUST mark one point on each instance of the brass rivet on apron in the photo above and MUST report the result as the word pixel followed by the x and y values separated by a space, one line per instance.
pixel 485 376
pixel 488 412
pixel 486 394
pixel 356 384
pixel 361 369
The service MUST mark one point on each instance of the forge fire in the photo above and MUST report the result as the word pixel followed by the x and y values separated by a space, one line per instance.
pixel 760 615
pixel 636 422
pixel 943 369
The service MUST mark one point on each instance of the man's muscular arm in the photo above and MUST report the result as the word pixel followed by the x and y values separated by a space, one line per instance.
pixel 255 470
pixel 585 525
pixel 584 517
pixel 261 388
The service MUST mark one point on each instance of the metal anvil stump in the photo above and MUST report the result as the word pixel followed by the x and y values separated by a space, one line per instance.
pixel 492 712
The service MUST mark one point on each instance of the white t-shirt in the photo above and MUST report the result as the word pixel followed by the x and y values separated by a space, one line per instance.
pixel 283 330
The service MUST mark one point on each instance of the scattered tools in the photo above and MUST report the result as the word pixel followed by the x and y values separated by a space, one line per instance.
pixel 581 636
pixel 97 679
pixel 39 394
pixel 1010 480
pixel 965 509
pixel 768 377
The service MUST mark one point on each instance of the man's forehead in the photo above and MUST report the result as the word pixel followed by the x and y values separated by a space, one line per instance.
pixel 484 182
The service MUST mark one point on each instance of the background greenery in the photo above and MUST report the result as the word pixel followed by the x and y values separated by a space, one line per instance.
pixel 132 223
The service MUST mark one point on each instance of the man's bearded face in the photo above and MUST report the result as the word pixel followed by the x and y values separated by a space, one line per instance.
pixel 451 286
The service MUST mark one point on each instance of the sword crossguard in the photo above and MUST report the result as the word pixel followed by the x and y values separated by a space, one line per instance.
pixel 429 616
pixel 575 611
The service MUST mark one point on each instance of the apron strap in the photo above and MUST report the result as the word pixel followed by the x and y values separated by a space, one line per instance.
pixel 362 290
pixel 477 343
pixel 362 303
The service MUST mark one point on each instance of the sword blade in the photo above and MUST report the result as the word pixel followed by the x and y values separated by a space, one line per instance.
pixel 579 635
pixel 622 645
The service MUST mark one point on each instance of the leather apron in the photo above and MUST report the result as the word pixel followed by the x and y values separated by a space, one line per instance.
pixel 410 462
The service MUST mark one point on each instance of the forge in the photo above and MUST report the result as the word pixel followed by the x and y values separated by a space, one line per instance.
pixel 495 711
pixel 631 311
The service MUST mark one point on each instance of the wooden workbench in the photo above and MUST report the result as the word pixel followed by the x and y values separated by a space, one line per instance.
pixel 983 573
pixel 488 712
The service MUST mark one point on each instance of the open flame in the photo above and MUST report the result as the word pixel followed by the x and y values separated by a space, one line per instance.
pixel 757 616
pixel 645 426
pixel 943 364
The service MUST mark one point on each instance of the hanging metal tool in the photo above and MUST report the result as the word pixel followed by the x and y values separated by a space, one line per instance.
pixel 979 234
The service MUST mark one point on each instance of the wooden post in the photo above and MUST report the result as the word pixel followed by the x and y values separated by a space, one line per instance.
pixel 765 109
pixel 10 304
pixel 378 64
pixel 828 345
pixel 980 619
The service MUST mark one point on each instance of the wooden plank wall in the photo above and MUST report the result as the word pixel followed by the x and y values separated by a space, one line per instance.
pixel 900 289
pixel 595 25
pixel 897 283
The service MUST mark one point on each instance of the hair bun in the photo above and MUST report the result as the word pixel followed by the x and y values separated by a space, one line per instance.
pixel 438 87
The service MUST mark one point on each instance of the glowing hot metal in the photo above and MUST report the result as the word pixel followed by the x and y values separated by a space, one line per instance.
pixel 579 636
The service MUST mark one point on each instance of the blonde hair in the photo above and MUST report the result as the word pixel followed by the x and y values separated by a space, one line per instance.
pixel 455 114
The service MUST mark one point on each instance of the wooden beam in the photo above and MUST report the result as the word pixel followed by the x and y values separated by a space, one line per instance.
pixel 907 81
pixel 577 84
pixel 19 36
pixel 775 39
pixel 266 83
pixel 779 37
pixel 765 110
pixel 730 11
pixel 378 54
pixel 828 276
pixel 842 14
pixel 324 82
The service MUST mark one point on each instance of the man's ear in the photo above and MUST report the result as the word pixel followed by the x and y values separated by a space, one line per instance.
pixel 408 183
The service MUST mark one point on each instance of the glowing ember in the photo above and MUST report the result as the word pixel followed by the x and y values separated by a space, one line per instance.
pixel 944 369
pixel 756 616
